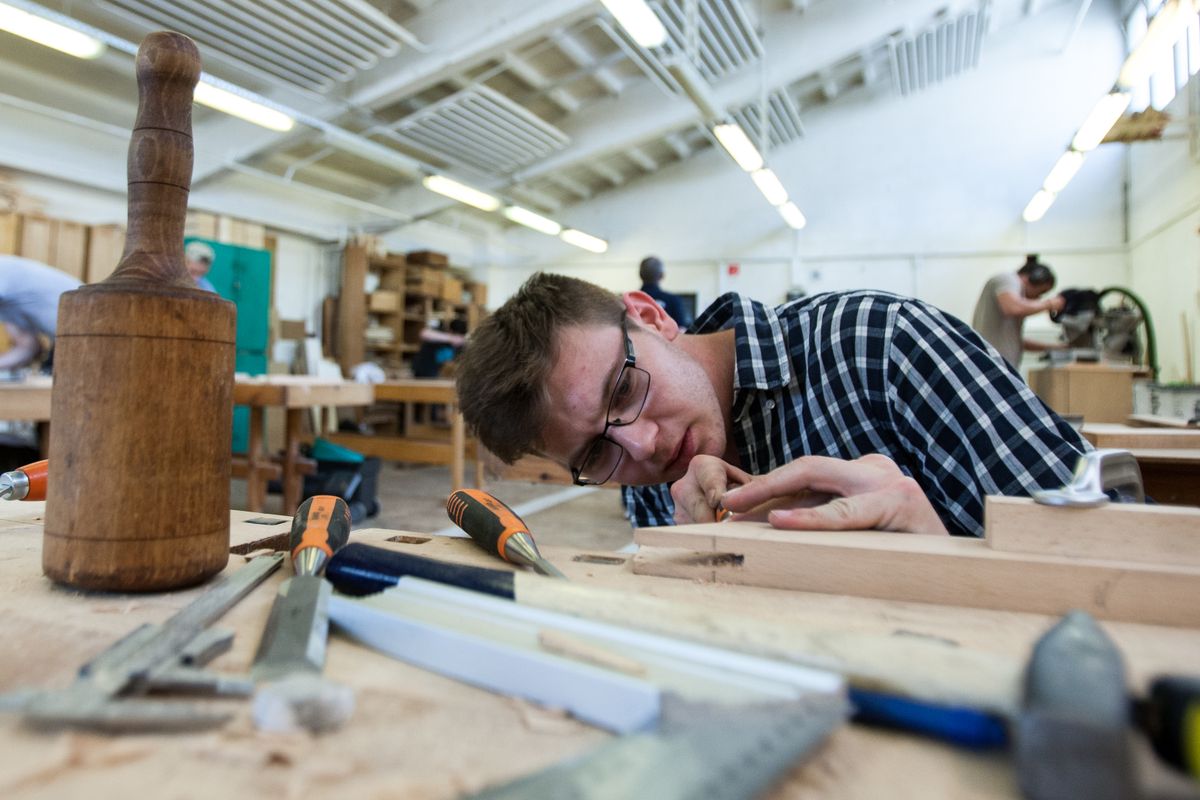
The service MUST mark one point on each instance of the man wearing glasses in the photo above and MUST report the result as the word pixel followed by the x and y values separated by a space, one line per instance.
pixel 845 410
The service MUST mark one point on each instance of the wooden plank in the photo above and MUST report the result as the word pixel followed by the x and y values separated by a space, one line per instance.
pixel 1128 437
pixel 920 568
pixel 105 245
pixel 352 307
pixel 70 248
pixel 398 448
pixel 1149 534
pixel 37 238
pixel 1152 421
pixel 10 233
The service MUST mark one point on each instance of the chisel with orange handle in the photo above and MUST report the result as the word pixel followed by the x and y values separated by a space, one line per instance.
pixel 26 483
pixel 497 529
pixel 297 630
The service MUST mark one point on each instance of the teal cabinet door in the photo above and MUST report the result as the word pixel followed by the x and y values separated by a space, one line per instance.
pixel 243 275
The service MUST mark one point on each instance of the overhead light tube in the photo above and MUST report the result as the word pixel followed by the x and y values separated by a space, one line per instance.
pixel 768 183
pixel 586 241
pixel 50 34
pixel 1100 121
pixel 738 145
pixel 639 20
pixel 523 216
pixel 1165 29
pixel 792 215
pixel 242 107
pixel 1038 206
pixel 1066 167
pixel 460 192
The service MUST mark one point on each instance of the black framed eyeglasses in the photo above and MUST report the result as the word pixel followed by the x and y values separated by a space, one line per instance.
pixel 603 455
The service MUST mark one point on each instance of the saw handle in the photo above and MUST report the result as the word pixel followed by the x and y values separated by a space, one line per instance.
pixel 485 519
pixel 322 521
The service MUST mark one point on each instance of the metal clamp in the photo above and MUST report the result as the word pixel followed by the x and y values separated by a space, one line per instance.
pixel 1096 473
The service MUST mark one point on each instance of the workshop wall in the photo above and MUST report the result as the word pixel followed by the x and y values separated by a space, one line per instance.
pixel 1164 229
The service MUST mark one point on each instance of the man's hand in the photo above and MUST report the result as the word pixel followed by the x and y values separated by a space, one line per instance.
pixel 698 493
pixel 811 493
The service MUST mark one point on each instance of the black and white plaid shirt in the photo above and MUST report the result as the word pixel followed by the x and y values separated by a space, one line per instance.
pixel 845 374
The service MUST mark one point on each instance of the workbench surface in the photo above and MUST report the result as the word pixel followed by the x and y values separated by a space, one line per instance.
pixel 418 735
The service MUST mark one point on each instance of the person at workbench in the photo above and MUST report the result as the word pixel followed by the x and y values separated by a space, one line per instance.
pixel 848 410
pixel 1007 299
pixel 198 257
pixel 29 292
pixel 651 272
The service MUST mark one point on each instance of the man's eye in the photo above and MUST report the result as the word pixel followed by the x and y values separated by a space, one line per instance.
pixel 623 390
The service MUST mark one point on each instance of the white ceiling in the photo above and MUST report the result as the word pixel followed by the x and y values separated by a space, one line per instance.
pixel 549 104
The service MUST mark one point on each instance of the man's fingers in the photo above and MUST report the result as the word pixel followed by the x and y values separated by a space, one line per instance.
pixel 859 513
pixel 832 476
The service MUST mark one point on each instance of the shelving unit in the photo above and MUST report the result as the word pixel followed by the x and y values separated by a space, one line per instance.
pixel 412 291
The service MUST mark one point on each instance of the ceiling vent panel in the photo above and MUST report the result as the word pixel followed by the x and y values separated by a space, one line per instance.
pixel 945 49
pixel 481 129
pixel 783 119
pixel 310 44
pixel 716 34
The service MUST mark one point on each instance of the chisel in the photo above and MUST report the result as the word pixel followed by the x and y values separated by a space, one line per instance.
pixel 26 483
pixel 295 636
pixel 497 529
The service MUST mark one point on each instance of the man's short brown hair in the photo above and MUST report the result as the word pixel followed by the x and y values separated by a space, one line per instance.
pixel 503 369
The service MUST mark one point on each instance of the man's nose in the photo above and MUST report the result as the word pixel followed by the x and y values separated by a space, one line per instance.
pixel 637 438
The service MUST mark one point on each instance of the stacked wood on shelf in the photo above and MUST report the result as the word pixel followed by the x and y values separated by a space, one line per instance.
pixel 87 252
pixel 91 252
pixel 408 293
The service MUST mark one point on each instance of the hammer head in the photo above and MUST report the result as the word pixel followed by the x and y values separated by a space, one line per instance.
pixel 1073 737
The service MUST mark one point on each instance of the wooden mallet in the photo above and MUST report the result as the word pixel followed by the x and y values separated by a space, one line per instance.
pixel 143 377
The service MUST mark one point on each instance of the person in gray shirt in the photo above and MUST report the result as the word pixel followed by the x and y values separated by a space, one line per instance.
pixel 1007 299
pixel 29 292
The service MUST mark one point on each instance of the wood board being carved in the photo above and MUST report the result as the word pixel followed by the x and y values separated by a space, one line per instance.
pixel 1149 534
pixel 920 568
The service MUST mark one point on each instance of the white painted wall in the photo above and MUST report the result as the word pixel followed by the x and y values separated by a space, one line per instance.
pixel 1165 237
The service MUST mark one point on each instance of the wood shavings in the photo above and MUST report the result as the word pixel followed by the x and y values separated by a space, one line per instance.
pixel 541 719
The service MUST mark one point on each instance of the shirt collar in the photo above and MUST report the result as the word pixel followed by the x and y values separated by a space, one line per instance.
pixel 761 360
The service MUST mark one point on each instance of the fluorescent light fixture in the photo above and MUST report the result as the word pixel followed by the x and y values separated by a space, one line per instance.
pixel 639 20
pixel 792 215
pixel 523 216
pixel 768 183
pixel 695 87
pixel 1100 121
pixel 51 34
pixel 738 144
pixel 1038 205
pixel 241 107
pixel 1068 164
pixel 460 192
pixel 586 241
pixel 1168 25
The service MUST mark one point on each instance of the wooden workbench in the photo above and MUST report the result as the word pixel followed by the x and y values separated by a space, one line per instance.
pixel 1169 458
pixel 30 400
pixel 420 449
pixel 418 735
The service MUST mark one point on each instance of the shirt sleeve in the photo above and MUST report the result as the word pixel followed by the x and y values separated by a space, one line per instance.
pixel 649 506
pixel 968 424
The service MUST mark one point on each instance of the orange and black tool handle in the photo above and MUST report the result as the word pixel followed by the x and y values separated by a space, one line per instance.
pixel 487 520
pixel 26 483
pixel 321 521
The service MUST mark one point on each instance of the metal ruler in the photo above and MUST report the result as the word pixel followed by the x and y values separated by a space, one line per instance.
pixel 733 754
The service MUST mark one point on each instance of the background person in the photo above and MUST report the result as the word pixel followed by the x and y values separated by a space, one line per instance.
pixel 199 258
pixel 651 272
pixel 1007 299
pixel 29 292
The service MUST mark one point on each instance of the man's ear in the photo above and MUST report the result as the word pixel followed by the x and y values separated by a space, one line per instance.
pixel 647 313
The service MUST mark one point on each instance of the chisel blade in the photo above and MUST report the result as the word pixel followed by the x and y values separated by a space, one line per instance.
pixel 296 632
